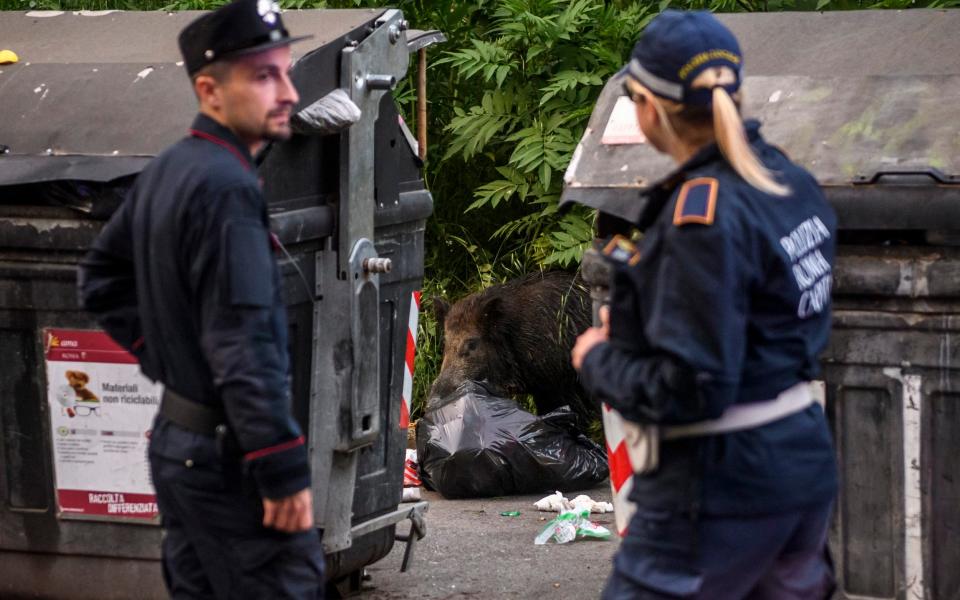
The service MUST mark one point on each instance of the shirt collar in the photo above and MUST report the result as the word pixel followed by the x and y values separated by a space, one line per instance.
pixel 208 129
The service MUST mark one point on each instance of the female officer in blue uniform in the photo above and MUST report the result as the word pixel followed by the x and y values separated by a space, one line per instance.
pixel 715 322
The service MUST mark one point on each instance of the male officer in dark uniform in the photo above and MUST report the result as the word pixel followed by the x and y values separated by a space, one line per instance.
pixel 184 278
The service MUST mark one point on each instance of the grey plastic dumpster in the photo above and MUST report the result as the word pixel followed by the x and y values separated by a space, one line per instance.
pixel 93 98
pixel 868 102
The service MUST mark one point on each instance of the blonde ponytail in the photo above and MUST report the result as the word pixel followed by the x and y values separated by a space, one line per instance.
pixel 728 129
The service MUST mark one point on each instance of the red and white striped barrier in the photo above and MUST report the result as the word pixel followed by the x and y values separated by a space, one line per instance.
pixel 411 472
pixel 407 395
pixel 621 467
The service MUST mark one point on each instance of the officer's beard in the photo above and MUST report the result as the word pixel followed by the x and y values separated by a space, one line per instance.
pixel 272 131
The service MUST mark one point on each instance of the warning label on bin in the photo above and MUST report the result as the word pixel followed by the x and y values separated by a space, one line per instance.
pixel 101 412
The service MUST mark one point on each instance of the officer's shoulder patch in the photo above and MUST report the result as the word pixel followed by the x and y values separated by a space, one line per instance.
pixel 697 202
pixel 622 250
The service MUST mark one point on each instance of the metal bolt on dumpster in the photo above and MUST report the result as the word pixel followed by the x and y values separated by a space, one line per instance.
pixel 94 97
pixel 866 101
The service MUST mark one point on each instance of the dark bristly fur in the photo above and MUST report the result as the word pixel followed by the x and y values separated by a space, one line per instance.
pixel 518 337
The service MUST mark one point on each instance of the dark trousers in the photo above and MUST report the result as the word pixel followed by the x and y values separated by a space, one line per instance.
pixel 667 556
pixel 214 543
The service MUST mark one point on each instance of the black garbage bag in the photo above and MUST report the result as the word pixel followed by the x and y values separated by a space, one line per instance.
pixel 474 443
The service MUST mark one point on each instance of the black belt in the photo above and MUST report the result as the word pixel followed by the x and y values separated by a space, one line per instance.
pixel 191 415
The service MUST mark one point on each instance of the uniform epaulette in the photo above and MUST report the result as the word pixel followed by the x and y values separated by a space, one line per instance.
pixel 697 202
pixel 622 250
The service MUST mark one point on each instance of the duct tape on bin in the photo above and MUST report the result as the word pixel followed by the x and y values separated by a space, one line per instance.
pixel 475 443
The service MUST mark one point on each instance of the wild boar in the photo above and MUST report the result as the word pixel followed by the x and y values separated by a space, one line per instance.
pixel 517 337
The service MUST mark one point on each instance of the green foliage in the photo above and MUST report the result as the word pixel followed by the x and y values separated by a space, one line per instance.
pixel 532 80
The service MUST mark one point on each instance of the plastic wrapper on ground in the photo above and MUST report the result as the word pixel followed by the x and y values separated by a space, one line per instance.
pixel 570 525
pixel 475 443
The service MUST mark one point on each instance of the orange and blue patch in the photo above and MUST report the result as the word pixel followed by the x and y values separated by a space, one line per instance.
pixel 697 202
pixel 620 249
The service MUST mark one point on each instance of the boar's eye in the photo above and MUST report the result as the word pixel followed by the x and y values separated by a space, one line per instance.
pixel 471 345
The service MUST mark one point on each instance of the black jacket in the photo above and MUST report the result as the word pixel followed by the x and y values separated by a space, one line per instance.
pixel 183 276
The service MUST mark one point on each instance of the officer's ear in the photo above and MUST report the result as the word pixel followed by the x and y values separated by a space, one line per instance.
pixel 208 80
pixel 207 89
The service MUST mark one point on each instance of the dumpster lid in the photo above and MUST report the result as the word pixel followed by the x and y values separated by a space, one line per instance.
pixel 849 95
pixel 95 95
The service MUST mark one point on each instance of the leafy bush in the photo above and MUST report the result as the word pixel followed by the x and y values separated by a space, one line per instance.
pixel 534 78
pixel 510 95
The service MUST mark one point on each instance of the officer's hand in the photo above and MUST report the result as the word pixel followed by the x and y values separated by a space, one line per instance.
pixel 590 338
pixel 291 514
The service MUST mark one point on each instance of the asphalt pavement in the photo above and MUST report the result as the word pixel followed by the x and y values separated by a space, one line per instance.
pixel 471 551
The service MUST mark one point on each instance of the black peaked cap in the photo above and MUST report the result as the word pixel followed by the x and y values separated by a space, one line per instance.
pixel 240 27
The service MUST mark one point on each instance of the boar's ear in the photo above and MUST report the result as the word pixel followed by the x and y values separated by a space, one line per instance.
pixel 491 312
pixel 439 307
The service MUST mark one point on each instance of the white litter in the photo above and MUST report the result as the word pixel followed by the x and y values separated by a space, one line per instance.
pixel 552 503
pixel 556 502
pixel 582 502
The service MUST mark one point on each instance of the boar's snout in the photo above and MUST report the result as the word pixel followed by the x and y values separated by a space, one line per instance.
pixel 444 385
pixel 466 357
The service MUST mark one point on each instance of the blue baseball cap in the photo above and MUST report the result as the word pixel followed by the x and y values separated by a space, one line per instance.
pixel 676 47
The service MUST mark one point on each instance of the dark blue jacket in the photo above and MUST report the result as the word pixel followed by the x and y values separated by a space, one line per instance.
pixel 183 275
pixel 725 301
